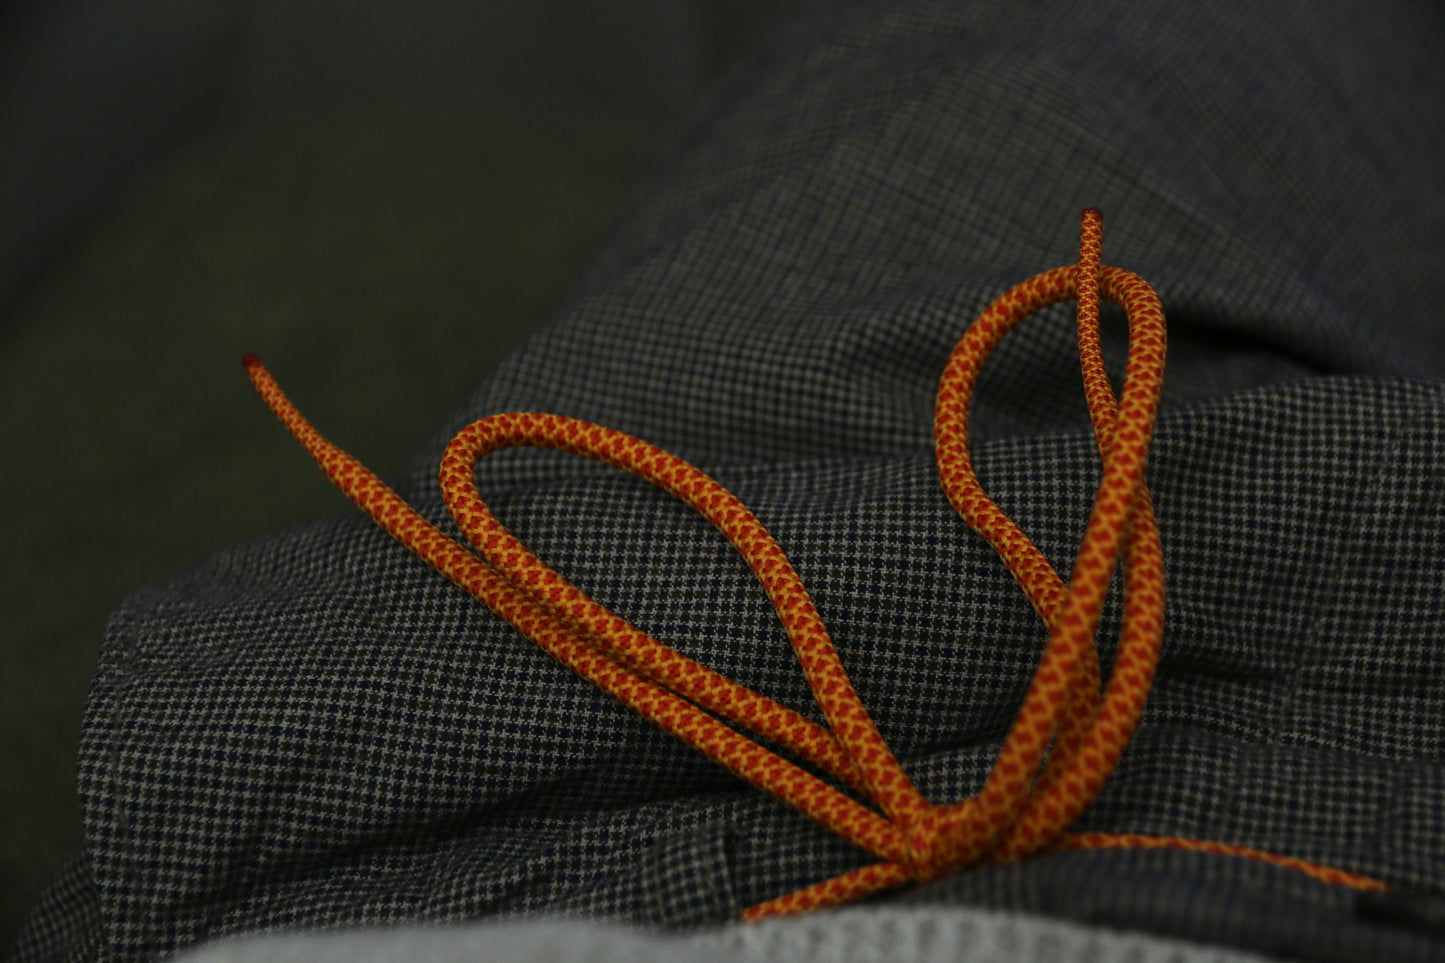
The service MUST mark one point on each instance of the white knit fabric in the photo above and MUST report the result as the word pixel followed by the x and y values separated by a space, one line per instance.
pixel 861 935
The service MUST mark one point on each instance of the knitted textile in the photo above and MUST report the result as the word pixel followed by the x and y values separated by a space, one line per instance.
pixel 316 729
pixel 957 934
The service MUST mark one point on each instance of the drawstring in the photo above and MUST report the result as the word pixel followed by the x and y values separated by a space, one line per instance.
pixel 1021 809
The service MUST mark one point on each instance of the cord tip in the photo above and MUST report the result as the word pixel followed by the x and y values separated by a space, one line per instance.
pixel 1093 212
pixel 249 361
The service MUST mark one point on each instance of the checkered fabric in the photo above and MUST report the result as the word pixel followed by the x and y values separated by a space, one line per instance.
pixel 316 729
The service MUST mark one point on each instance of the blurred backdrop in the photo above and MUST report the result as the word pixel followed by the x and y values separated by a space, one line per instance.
pixel 378 197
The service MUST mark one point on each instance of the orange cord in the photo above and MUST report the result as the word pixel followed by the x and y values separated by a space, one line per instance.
pixel 1020 809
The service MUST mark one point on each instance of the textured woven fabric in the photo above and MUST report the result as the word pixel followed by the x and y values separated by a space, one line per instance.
pixel 315 729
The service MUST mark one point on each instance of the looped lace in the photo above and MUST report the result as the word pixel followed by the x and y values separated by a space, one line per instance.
pixel 1025 804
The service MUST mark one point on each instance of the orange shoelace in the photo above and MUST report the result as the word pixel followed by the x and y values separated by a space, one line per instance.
pixel 1022 808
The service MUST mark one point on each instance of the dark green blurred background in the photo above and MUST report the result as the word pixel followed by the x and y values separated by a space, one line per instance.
pixel 380 198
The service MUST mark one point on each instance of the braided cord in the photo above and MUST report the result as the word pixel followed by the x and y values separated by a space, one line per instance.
pixel 1024 805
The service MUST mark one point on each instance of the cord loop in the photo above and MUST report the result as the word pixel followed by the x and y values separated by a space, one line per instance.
pixel 1026 803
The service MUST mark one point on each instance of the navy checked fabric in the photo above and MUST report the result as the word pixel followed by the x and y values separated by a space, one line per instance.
pixel 315 729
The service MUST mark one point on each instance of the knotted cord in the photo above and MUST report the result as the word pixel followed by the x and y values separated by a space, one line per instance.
pixel 1025 804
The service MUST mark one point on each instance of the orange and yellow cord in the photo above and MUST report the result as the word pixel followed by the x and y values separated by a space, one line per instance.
pixel 1024 806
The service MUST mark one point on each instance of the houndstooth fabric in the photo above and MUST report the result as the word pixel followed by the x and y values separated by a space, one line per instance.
pixel 316 730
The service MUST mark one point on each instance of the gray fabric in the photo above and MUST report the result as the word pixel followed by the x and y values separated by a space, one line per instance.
pixel 869 935
pixel 548 941
pixel 316 730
